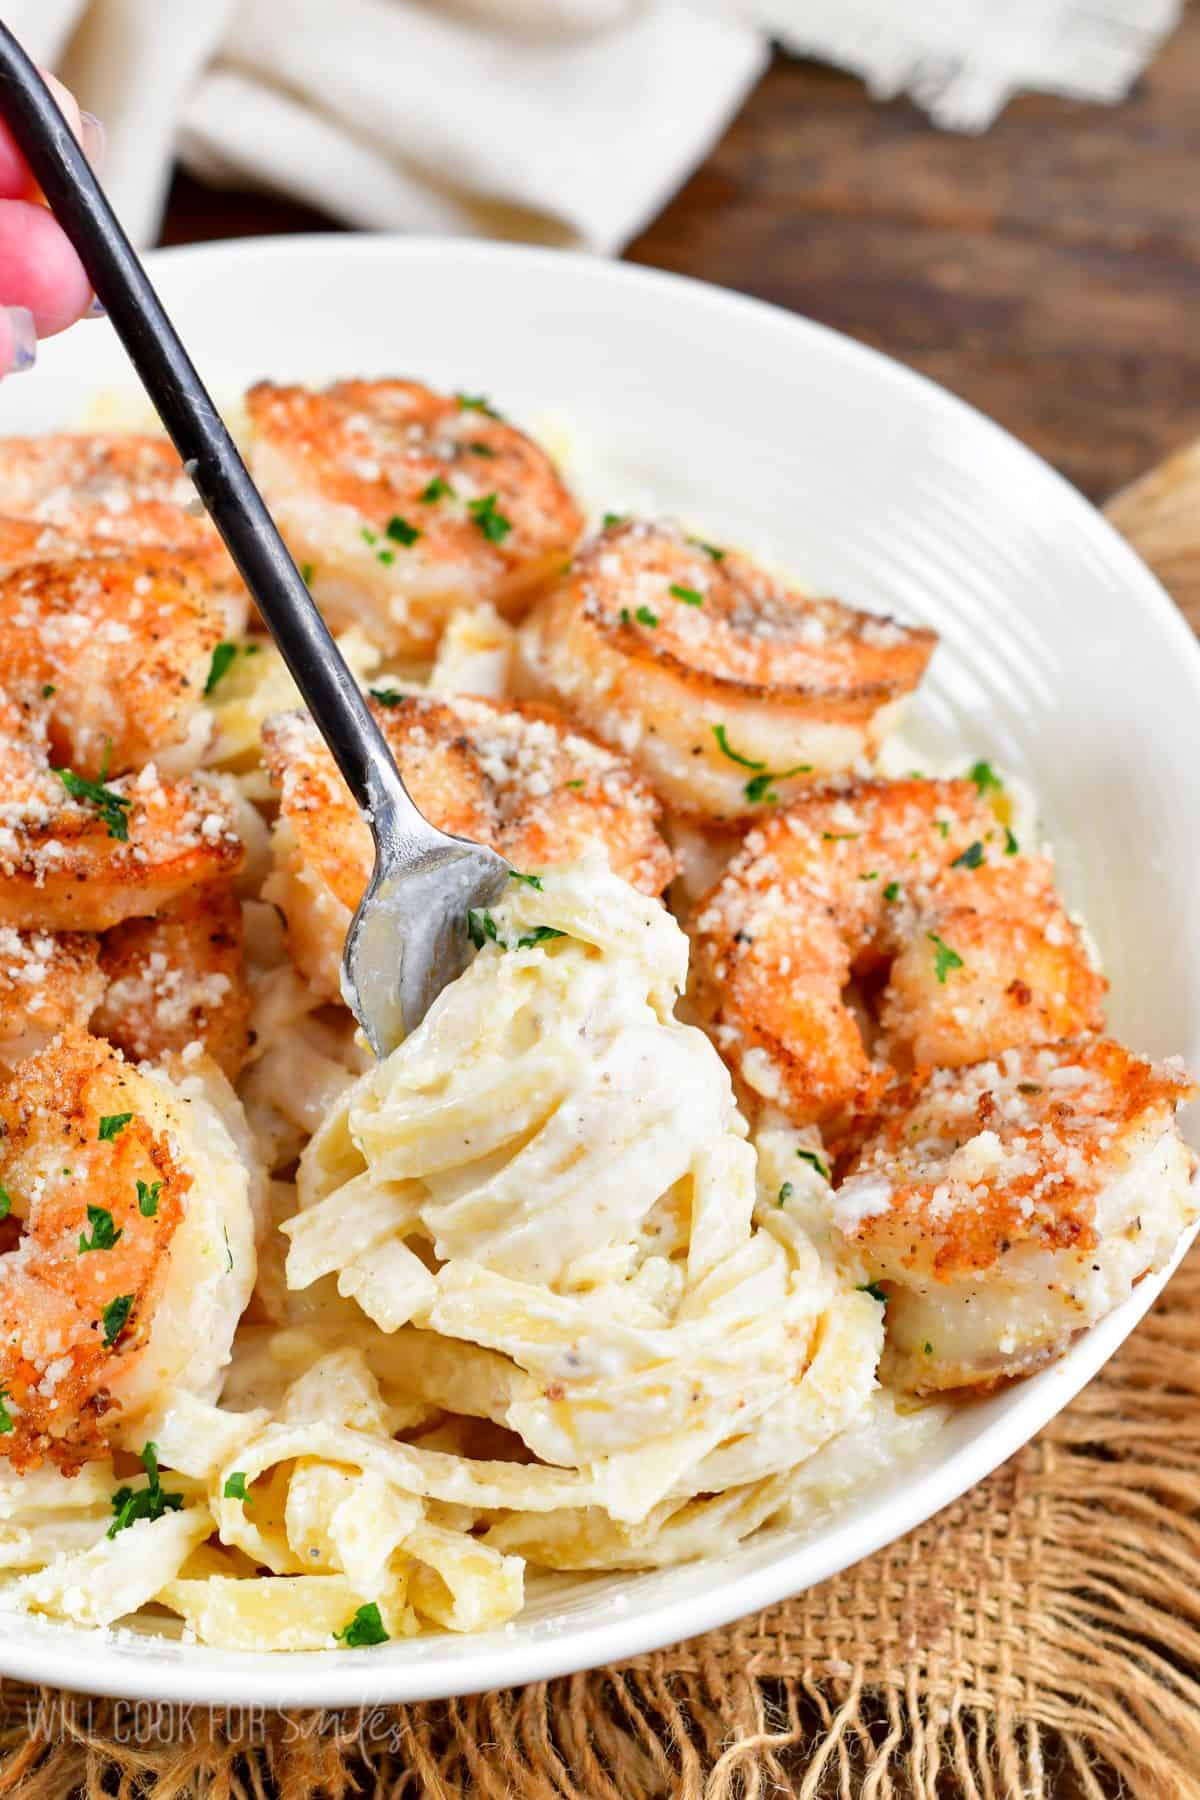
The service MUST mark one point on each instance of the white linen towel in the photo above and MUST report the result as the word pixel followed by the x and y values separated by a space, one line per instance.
pixel 561 121
pixel 963 60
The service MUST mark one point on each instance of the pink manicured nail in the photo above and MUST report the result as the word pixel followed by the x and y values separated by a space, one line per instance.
pixel 24 338
pixel 95 138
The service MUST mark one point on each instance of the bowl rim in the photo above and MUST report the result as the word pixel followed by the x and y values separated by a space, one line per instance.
pixel 132 1666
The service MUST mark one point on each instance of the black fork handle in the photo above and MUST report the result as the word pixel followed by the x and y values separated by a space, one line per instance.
pixel 221 478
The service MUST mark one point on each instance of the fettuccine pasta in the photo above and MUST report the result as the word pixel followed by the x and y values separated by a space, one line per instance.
pixel 538 1308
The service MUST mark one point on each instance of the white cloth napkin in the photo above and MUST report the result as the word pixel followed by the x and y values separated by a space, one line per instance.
pixel 963 60
pixel 561 121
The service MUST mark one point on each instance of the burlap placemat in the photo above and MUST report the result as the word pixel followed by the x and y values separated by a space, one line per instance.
pixel 1039 1638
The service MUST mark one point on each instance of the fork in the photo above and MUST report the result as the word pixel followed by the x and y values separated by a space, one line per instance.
pixel 408 937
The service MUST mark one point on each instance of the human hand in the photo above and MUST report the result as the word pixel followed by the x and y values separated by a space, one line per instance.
pixel 43 288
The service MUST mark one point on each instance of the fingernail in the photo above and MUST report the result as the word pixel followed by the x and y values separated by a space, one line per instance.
pixel 24 338
pixel 96 309
pixel 95 138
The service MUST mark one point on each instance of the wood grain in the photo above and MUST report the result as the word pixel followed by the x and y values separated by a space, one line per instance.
pixel 1160 515
pixel 1048 271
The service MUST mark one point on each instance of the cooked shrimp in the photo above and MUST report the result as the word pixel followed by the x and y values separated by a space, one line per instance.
pixel 111 487
pixel 728 688
pixel 517 778
pixel 1005 1206
pixel 24 541
pixel 115 650
pixel 77 854
pixel 915 883
pixel 178 979
pixel 48 981
pixel 131 1252
pixel 405 503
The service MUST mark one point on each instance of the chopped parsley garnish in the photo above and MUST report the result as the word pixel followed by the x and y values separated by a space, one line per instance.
pixel 810 1156
pixel 1011 845
pixel 477 403
pixel 6 1422
pixel 131 1504
pixel 104 1236
pixel 626 616
pixel 611 519
pixel 494 526
pixel 574 784
pixel 942 825
pixel 971 857
pixel 927 1347
pixel 944 958
pixel 116 1317
pixel 785 1192
pixel 386 696
pixel 366 1627
pixel 222 658
pixel 437 489
pixel 480 449
pixel 111 1126
pixel 985 777
pixel 400 531
pixel 533 881
pixel 5 1201
pixel 385 556
pixel 644 616
pixel 112 807
pixel 147 1193
pixel 727 749
pixel 689 595
pixel 48 688
pixel 708 549
pixel 481 927
pixel 839 837
pixel 892 891
pixel 871 875
pixel 759 788
pixel 306 573
pixel 235 1486
pixel 873 1288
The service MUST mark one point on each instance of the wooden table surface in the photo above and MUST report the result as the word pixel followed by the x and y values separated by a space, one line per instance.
pixel 1048 271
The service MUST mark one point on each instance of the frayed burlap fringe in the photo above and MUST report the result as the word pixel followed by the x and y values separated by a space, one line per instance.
pixel 1040 1639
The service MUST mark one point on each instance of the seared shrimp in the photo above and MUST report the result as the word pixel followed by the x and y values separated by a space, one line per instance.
pixel 102 487
pixel 25 541
pixel 129 1255
pixel 517 778
pixel 405 503
pixel 48 982
pixel 1003 1207
pixel 729 689
pixel 178 979
pixel 915 883
pixel 78 854
pixel 114 650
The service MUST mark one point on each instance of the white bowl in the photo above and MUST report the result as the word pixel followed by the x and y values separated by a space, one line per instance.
pixel 1061 658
